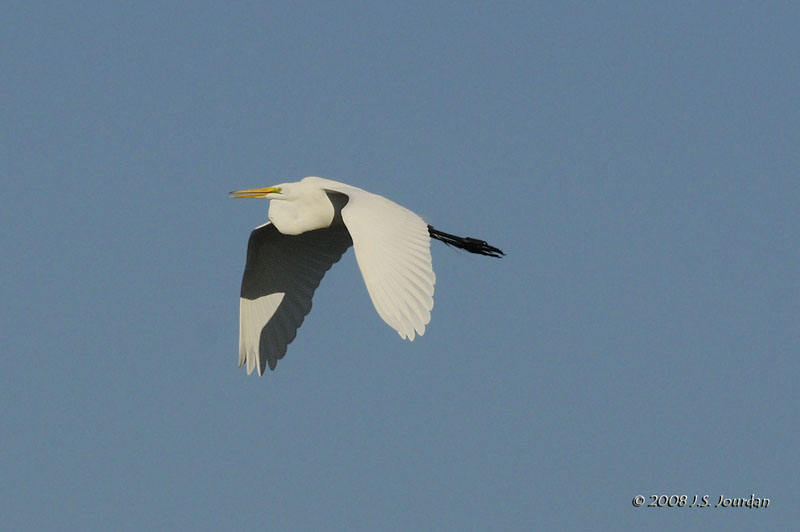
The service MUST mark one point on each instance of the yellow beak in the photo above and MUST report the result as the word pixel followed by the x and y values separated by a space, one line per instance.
pixel 255 192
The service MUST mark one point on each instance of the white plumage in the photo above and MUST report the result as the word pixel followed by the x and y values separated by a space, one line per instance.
pixel 312 223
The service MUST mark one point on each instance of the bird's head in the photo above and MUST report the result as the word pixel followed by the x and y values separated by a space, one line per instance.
pixel 303 206
pixel 277 192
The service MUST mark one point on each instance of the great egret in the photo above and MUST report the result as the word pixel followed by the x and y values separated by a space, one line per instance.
pixel 312 223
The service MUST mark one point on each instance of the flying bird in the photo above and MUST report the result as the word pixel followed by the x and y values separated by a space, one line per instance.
pixel 311 224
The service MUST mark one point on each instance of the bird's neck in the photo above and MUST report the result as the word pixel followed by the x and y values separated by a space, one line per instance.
pixel 297 216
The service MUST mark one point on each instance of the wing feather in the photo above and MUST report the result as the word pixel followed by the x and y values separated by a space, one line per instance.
pixel 392 248
pixel 280 277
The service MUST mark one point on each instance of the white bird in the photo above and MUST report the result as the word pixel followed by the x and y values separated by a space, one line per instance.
pixel 312 223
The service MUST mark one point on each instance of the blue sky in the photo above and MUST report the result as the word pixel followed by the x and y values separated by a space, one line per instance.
pixel 637 162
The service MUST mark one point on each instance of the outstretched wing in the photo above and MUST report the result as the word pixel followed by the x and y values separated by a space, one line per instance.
pixel 280 277
pixel 392 247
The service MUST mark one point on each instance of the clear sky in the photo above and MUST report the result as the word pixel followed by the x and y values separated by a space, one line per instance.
pixel 638 162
